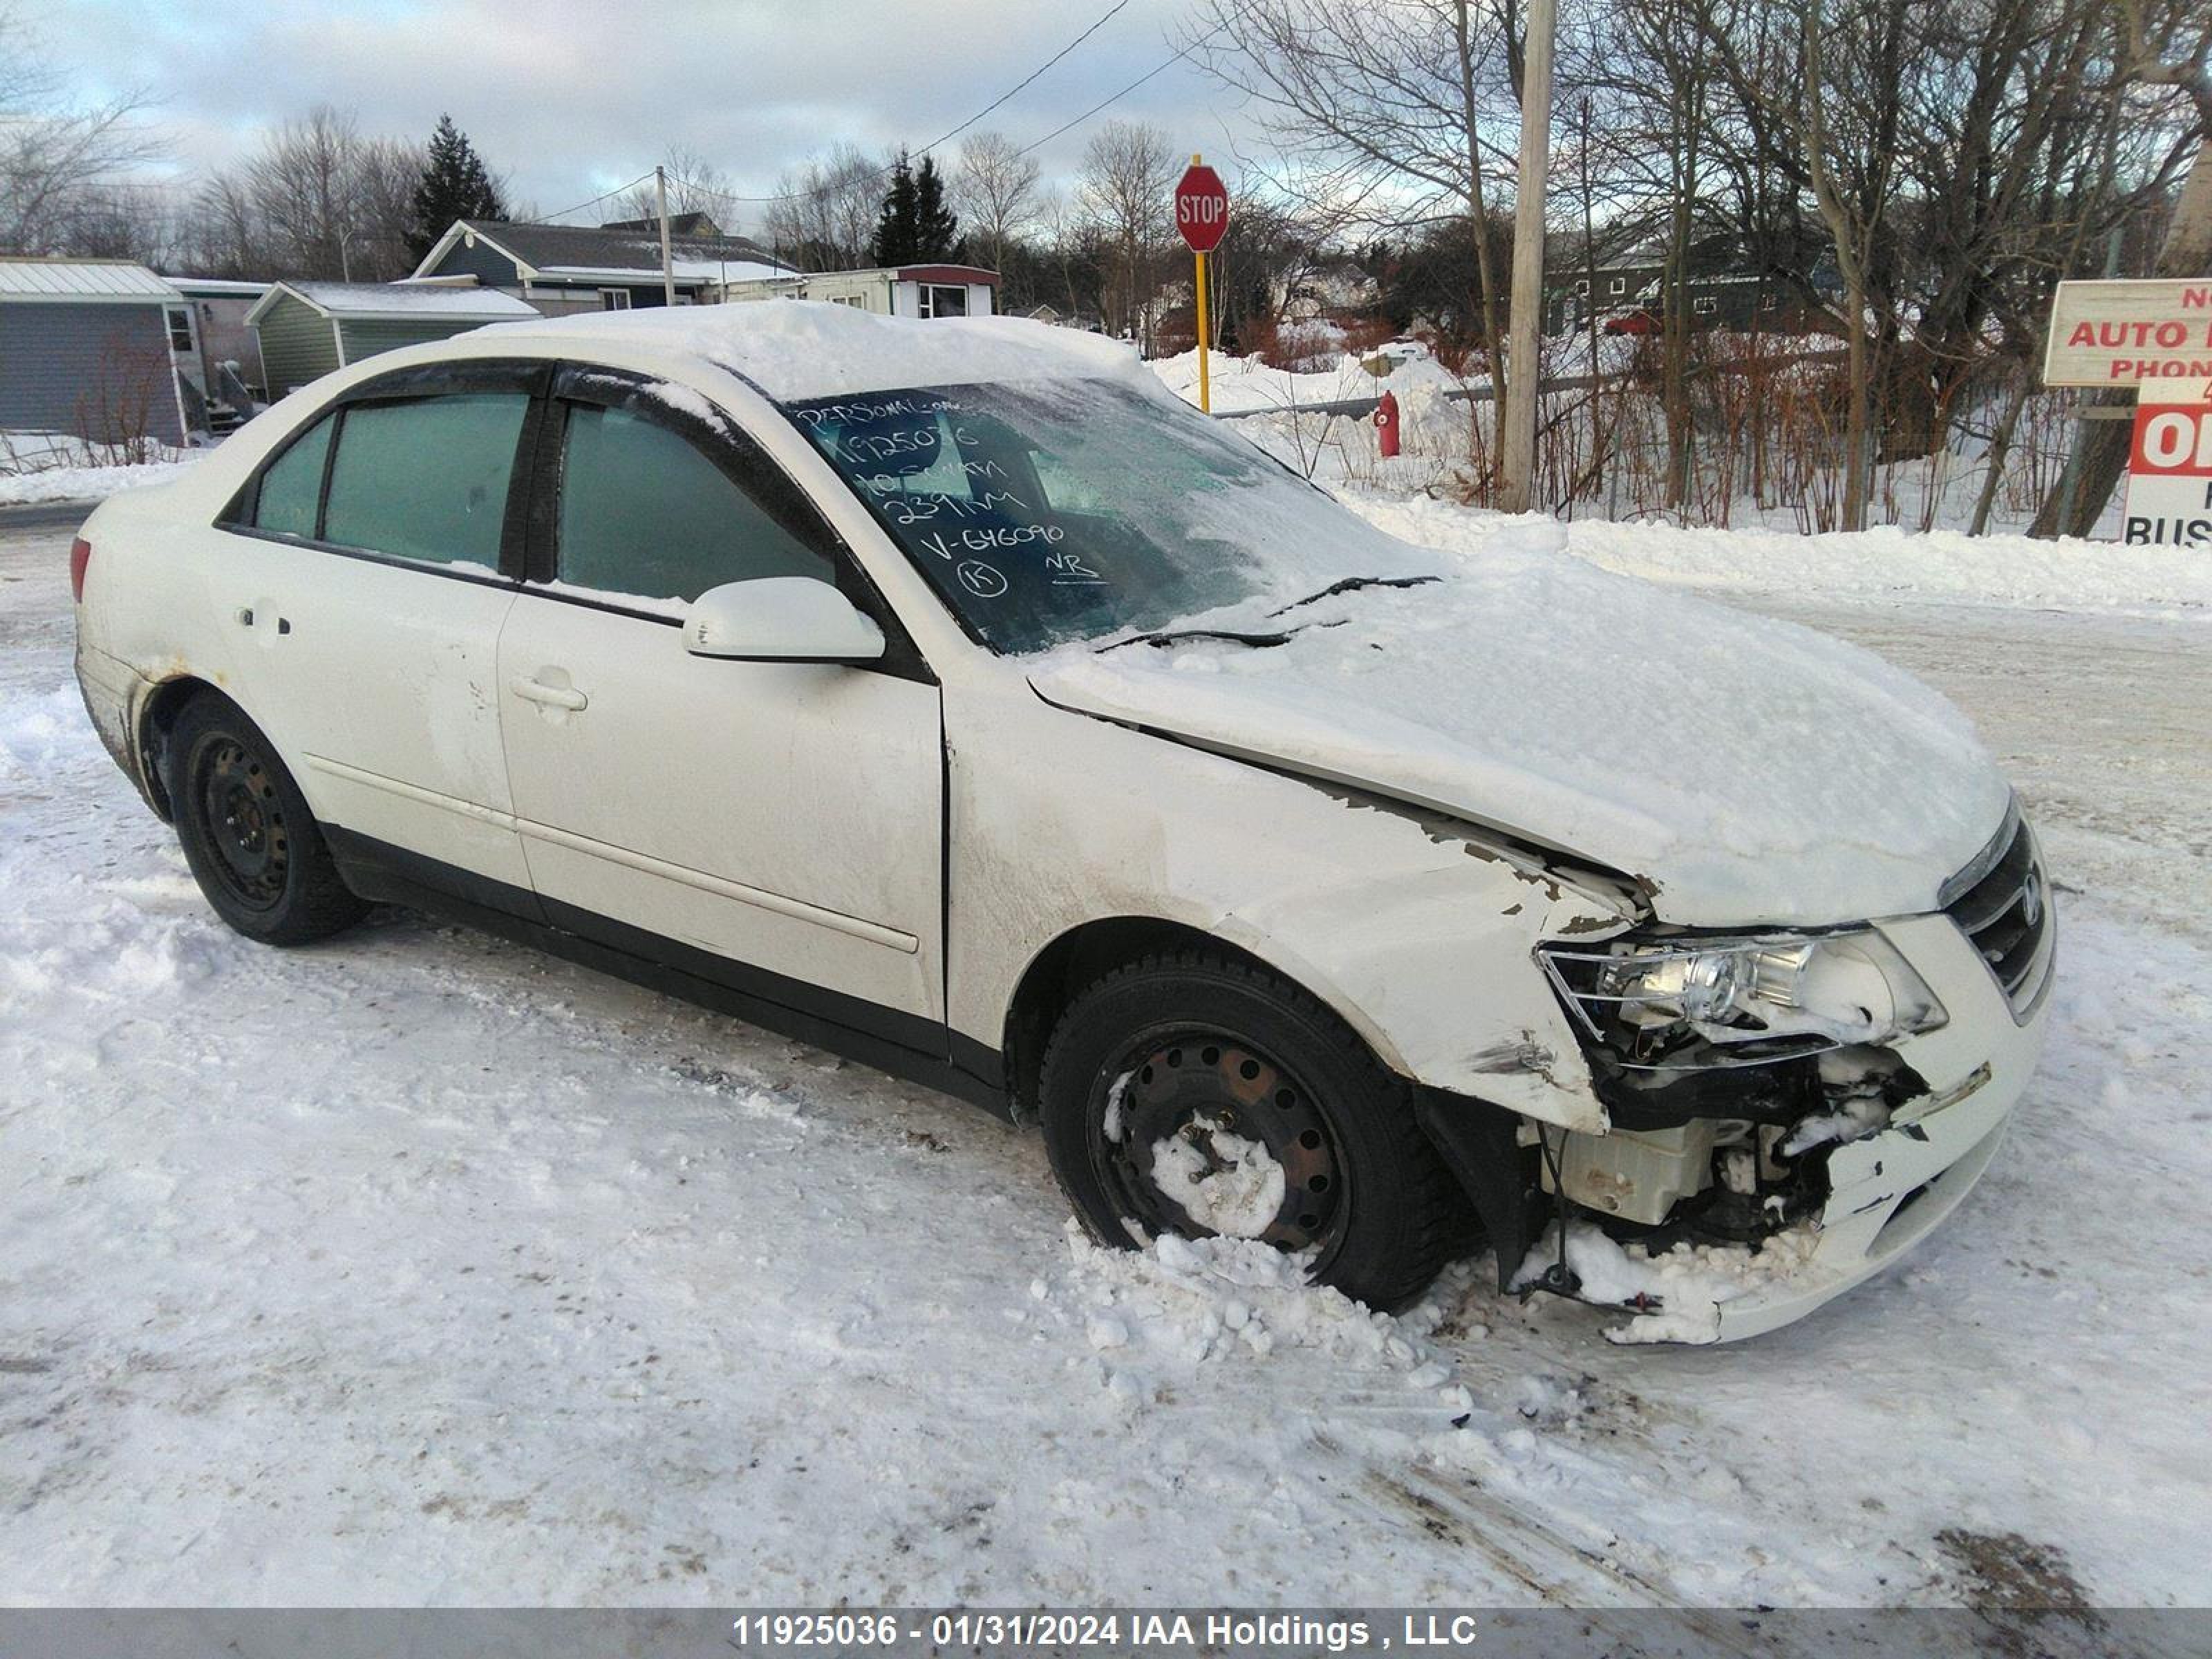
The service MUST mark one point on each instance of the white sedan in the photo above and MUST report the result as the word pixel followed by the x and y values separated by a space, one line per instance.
pixel 946 693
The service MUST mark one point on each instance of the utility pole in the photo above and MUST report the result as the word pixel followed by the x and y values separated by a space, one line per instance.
pixel 667 265
pixel 1526 321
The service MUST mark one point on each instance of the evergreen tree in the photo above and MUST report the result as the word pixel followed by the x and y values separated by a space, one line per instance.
pixel 897 225
pixel 454 185
pixel 936 226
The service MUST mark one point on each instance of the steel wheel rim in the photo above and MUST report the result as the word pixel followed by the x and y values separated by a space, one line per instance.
pixel 243 817
pixel 1198 1084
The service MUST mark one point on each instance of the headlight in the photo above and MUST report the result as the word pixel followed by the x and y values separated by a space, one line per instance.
pixel 1665 1004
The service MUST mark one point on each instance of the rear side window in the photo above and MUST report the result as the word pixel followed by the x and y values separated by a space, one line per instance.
pixel 292 488
pixel 645 515
pixel 427 478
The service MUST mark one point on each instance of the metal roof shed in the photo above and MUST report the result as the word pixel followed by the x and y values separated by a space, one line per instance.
pixel 307 330
pixel 84 351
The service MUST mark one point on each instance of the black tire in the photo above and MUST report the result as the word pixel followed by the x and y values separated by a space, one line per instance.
pixel 254 846
pixel 1194 1038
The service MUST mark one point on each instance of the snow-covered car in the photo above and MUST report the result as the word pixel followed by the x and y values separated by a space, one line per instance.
pixel 948 695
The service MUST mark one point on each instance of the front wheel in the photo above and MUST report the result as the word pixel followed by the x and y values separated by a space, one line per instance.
pixel 1195 1094
pixel 253 846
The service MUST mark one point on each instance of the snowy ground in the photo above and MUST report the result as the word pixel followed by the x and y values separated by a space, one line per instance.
pixel 38 466
pixel 419 1267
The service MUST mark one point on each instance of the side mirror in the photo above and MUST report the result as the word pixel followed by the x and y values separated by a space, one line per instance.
pixel 780 619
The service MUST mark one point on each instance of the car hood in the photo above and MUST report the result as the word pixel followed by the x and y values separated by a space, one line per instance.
pixel 1746 771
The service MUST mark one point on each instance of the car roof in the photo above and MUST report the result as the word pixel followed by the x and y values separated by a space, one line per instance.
pixel 796 349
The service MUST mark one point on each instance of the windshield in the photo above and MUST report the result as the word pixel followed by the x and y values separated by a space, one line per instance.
pixel 1048 511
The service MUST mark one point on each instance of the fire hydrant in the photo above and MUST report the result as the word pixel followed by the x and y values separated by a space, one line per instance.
pixel 1386 424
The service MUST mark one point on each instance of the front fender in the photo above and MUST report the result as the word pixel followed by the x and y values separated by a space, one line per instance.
pixel 1419 932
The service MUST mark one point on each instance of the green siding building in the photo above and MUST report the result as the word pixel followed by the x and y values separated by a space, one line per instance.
pixel 307 330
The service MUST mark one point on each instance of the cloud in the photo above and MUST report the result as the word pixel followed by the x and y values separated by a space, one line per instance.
pixel 570 97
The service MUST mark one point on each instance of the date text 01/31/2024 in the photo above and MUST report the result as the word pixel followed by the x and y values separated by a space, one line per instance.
pixel 1215 1630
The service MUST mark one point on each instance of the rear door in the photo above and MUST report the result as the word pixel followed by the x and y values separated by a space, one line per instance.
pixel 773 826
pixel 366 573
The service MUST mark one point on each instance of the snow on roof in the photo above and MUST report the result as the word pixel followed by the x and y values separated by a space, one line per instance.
pixel 799 349
pixel 576 253
pixel 350 300
pixel 81 281
pixel 215 285
pixel 685 268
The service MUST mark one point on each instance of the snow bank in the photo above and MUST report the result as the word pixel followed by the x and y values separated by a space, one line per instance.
pixel 1245 383
pixel 1886 564
pixel 1155 1317
pixel 53 467
pixel 85 483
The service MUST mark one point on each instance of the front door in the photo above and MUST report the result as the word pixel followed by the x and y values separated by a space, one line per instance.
pixel 774 827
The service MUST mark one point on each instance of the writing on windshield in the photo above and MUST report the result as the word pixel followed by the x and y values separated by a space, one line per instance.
pixel 1055 511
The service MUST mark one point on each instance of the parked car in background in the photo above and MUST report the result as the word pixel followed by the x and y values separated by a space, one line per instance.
pixel 947 693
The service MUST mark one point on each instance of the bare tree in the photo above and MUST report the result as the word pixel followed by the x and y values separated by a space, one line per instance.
pixel 1127 177
pixel 61 163
pixel 222 237
pixel 695 185
pixel 823 215
pixel 316 199
pixel 1398 111
pixel 995 185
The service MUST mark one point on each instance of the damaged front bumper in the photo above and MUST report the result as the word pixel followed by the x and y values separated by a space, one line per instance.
pixel 1889 1190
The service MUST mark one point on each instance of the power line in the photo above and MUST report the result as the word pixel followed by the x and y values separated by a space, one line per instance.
pixel 1103 103
pixel 548 218
pixel 945 138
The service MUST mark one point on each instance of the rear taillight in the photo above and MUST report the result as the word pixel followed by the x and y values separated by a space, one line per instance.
pixel 79 556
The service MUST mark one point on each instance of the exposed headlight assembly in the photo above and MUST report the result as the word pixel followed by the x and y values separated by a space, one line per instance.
pixel 1683 1004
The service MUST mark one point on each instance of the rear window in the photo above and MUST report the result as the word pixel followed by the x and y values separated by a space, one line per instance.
pixel 292 489
pixel 428 479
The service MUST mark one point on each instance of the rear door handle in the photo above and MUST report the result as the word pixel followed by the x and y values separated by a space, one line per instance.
pixel 553 696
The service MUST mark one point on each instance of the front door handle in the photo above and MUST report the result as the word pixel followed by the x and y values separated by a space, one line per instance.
pixel 553 696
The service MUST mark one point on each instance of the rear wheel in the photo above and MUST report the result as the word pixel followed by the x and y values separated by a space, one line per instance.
pixel 1195 1094
pixel 252 845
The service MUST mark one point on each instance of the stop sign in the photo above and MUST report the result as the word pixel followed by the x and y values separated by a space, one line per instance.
pixel 1201 208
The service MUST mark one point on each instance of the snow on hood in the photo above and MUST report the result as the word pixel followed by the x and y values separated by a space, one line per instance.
pixel 799 349
pixel 1754 771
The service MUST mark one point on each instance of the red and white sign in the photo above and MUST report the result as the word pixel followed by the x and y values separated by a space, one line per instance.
pixel 1201 205
pixel 2155 335
pixel 2170 477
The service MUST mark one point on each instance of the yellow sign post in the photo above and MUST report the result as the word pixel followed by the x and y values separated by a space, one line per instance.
pixel 1201 207
pixel 1205 392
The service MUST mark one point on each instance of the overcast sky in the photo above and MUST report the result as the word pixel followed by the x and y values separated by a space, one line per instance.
pixel 566 97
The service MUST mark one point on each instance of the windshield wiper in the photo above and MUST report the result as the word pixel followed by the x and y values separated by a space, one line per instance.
pixel 1174 636
pixel 1352 584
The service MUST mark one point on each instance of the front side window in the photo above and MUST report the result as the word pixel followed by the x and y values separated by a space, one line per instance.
pixel 292 488
pixel 647 514
pixel 614 298
pixel 1052 511
pixel 944 299
pixel 425 478
pixel 180 329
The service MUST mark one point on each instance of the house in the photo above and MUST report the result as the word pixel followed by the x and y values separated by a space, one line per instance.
pixel 216 347
pixel 85 350
pixel 558 269
pixel 1726 288
pixel 938 290
pixel 307 329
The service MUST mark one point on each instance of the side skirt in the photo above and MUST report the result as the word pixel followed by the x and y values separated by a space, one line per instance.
pixel 902 1045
